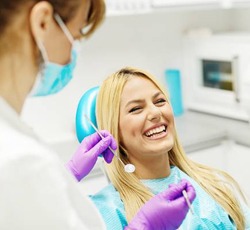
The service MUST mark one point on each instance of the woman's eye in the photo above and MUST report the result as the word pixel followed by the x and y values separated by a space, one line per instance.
pixel 134 109
pixel 161 101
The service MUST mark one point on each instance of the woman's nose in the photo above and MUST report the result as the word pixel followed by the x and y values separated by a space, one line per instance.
pixel 154 113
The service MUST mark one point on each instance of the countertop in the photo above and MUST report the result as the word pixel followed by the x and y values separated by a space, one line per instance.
pixel 198 130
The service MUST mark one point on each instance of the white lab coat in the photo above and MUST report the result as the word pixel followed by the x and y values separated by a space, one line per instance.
pixel 36 191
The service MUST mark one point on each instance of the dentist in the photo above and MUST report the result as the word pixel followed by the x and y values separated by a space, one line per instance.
pixel 37 192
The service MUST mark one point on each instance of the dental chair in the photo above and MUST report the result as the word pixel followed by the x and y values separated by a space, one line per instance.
pixel 87 107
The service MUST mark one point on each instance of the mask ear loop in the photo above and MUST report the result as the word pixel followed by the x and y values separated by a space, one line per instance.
pixel 64 28
pixel 42 50
pixel 45 59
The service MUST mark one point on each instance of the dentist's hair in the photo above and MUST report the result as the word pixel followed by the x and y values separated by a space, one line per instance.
pixel 133 193
pixel 10 9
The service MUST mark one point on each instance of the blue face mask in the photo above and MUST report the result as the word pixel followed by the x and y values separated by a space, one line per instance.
pixel 54 77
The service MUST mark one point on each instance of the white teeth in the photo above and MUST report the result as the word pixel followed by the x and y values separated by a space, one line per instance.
pixel 156 130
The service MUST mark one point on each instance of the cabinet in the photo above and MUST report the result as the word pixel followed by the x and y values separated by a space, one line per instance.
pixel 238 162
pixel 213 157
pixel 121 7
pixel 230 157
pixel 216 74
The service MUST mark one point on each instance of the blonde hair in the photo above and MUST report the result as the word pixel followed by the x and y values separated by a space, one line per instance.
pixel 133 193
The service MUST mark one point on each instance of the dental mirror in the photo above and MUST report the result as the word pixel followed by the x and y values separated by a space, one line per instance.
pixel 129 168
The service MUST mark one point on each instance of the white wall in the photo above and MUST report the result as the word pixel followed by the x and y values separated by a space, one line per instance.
pixel 241 19
pixel 150 41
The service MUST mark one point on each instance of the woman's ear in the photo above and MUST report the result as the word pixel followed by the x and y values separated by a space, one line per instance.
pixel 41 17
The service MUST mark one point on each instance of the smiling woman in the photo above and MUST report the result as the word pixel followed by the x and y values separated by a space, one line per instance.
pixel 151 124
pixel 135 109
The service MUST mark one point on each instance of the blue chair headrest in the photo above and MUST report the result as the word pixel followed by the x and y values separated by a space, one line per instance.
pixel 86 105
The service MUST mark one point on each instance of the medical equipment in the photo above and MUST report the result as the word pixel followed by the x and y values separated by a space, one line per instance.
pixel 184 193
pixel 219 68
pixel 129 168
pixel 187 200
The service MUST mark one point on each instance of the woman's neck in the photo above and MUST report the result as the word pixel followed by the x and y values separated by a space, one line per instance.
pixel 157 167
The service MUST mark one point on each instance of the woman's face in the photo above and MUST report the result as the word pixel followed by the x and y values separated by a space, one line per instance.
pixel 146 123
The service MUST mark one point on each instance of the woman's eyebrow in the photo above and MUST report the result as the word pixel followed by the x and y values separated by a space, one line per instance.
pixel 134 101
pixel 157 94
pixel 141 100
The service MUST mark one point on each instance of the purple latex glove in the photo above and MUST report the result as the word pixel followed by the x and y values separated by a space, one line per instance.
pixel 165 211
pixel 87 153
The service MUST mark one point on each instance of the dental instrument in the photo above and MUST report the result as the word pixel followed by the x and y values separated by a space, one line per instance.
pixel 129 168
pixel 187 200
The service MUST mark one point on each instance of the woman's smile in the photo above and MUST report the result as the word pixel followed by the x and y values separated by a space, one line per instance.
pixel 157 132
